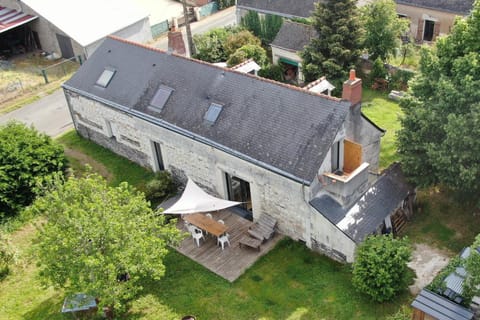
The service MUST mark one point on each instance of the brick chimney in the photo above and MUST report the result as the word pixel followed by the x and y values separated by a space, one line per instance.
pixel 175 42
pixel 352 89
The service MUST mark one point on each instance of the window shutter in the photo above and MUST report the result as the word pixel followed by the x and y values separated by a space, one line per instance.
pixel 421 24
pixel 436 30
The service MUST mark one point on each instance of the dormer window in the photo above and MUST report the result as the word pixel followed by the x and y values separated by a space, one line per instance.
pixel 105 77
pixel 213 112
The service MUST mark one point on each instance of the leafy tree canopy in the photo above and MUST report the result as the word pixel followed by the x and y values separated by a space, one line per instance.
pixel 337 48
pixel 237 40
pixel 256 52
pixel 265 28
pixel 210 45
pixel 100 240
pixel 380 267
pixel 27 159
pixel 383 28
pixel 438 142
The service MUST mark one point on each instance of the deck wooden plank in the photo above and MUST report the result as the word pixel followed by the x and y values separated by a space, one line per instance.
pixel 232 262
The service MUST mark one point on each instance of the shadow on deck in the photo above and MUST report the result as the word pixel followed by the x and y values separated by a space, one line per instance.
pixel 232 262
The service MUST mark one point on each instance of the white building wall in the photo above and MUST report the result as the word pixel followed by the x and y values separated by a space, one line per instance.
pixel 282 198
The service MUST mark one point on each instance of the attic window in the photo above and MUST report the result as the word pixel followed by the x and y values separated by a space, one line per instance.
pixel 160 98
pixel 105 78
pixel 213 112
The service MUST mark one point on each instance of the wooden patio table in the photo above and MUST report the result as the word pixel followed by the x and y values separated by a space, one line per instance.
pixel 207 224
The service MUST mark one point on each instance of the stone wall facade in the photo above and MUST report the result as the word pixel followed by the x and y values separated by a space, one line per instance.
pixel 271 193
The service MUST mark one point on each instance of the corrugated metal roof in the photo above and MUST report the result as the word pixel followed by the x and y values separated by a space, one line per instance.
pixel 10 18
pixel 454 282
pixel 91 20
pixel 439 307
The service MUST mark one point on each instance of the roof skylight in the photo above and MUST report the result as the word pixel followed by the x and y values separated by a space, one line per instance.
pixel 160 98
pixel 213 112
pixel 105 78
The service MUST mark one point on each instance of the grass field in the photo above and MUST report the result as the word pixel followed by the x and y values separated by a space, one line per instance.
pixel 289 283
pixel 385 113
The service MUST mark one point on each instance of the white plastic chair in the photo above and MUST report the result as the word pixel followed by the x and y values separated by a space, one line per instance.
pixel 221 221
pixel 209 215
pixel 222 240
pixel 197 234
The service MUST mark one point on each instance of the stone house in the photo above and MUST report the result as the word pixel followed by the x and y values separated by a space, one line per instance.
pixel 290 40
pixel 278 149
pixel 70 29
pixel 432 18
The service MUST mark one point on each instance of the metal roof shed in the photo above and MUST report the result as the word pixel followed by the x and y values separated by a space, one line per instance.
pixel 10 19
pixel 438 307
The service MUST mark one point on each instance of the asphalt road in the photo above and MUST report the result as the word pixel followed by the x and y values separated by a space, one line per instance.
pixel 49 114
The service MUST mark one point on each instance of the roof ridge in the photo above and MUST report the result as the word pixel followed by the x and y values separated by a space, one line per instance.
pixel 285 85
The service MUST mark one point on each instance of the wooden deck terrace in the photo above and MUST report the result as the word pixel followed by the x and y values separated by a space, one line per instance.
pixel 232 262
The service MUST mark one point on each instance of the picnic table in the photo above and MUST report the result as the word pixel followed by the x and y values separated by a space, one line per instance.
pixel 207 224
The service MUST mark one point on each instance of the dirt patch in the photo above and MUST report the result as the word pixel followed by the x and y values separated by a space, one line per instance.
pixel 427 262
pixel 84 159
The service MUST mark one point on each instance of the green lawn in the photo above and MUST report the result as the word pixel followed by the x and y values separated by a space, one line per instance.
pixel 385 113
pixel 290 283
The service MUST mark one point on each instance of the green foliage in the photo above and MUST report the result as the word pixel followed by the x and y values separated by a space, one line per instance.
pixel 161 186
pixel 237 40
pixel 251 22
pixel 95 234
pixel 265 28
pixel 223 4
pixel 271 24
pixel 380 267
pixel 27 159
pixel 383 28
pixel 404 313
pixel 472 265
pixel 378 70
pixel 274 72
pixel 209 46
pixel 400 78
pixel 7 255
pixel 256 52
pixel 337 48
pixel 439 143
pixel 438 282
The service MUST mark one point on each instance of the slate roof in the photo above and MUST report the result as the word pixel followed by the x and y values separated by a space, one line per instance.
pixel 364 216
pixel 439 307
pixel 294 36
pixel 453 6
pixel 285 8
pixel 282 128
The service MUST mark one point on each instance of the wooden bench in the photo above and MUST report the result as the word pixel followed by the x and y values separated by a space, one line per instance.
pixel 250 242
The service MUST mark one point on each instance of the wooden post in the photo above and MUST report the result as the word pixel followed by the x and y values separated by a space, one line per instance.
pixel 44 73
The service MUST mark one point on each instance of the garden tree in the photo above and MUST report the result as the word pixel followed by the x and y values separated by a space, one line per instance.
pixel 265 28
pixel 256 52
pixel 438 142
pixel 251 22
pixel 237 40
pixel 223 4
pixel 337 48
pixel 472 265
pixel 27 159
pixel 100 240
pixel 380 267
pixel 383 28
pixel 209 46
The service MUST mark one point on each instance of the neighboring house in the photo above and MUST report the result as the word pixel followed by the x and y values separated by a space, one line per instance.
pixel 445 303
pixel 276 148
pixel 432 18
pixel 290 40
pixel 69 28
pixel 298 9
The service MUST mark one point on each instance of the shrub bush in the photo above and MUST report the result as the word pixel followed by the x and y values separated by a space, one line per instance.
pixel 380 268
pixel 27 159
pixel 257 53
pixel 273 72
pixel 161 186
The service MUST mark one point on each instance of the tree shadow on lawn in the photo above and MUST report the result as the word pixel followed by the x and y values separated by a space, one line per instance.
pixel 47 309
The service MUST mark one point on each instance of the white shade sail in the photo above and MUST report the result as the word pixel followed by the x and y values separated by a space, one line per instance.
pixel 194 200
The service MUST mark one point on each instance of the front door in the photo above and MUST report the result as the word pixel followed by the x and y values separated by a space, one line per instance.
pixel 65 44
pixel 239 190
